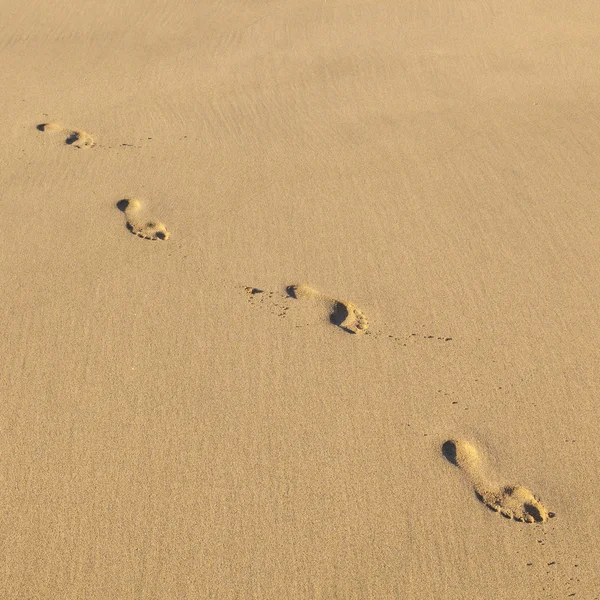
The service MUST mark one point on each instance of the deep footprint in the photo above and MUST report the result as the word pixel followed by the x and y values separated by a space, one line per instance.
pixel 147 229
pixel 511 501
pixel 74 137
pixel 341 313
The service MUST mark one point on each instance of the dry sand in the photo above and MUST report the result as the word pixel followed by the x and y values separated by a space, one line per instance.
pixel 177 422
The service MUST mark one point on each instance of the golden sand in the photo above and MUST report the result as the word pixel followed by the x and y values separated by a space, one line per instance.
pixel 178 421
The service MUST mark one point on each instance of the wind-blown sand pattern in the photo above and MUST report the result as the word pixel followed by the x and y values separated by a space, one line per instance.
pixel 511 501
pixel 144 228
pixel 344 314
pixel 430 168
pixel 73 137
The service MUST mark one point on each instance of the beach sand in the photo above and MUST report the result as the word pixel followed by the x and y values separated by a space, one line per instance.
pixel 294 293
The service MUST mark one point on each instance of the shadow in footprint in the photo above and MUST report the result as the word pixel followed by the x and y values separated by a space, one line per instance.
pixel 122 205
pixel 534 511
pixel 449 452
pixel 290 290
pixel 339 316
pixel 72 138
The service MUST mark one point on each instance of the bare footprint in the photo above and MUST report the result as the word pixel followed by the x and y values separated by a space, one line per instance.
pixel 147 229
pixel 341 313
pixel 74 137
pixel 511 501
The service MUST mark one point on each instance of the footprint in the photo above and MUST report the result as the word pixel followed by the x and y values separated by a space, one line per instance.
pixel 74 137
pixel 341 313
pixel 511 501
pixel 149 230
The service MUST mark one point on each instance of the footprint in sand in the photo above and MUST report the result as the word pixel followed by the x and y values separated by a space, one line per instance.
pixel 341 313
pixel 511 501
pixel 73 137
pixel 147 229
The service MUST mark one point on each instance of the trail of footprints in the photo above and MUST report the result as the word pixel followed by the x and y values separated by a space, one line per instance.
pixel 511 501
pixel 135 220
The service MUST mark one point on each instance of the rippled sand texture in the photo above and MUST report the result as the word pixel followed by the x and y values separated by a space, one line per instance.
pixel 294 293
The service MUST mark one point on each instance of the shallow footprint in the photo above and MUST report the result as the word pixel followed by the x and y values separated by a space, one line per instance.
pixel 147 229
pixel 341 313
pixel 511 501
pixel 74 137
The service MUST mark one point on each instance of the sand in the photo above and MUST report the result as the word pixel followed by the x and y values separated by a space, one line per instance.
pixel 294 294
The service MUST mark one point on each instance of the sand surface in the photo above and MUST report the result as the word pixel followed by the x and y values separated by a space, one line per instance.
pixel 177 421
